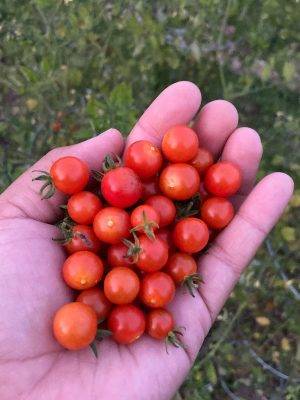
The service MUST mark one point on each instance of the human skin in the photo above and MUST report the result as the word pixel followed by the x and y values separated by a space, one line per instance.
pixel 32 364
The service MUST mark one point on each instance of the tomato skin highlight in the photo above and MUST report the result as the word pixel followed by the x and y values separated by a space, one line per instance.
pixel 69 174
pixel 111 224
pixel 157 289
pixel 159 323
pixel 190 235
pixel 223 179
pixel 121 285
pixel 180 144
pixel 82 270
pixel 150 188
pixel 95 298
pixel 203 160
pixel 117 256
pixel 75 325
pixel 217 212
pixel 83 238
pixel 179 181
pixel 137 216
pixel 180 266
pixel 82 207
pixel 144 158
pixel 164 207
pixel 127 323
pixel 121 187
pixel 153 255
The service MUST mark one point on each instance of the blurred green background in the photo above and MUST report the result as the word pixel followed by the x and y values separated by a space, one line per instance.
pixel 70 69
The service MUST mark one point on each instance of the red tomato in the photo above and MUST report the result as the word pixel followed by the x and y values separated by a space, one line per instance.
pixel 83 238
pixel 117 256
pixel 82 270
pixel 95 298
pixel 111 224
pixel 153 255
pixel 157 289
pixel 121 187
pixel 127 323
pixel 75 325
pixel 223 179
pixel 164 207
pixel 159 323
pixel 179 181
pixel 190 235
pixel 217 212
pixel 150 188
pixel 121 285
pixel 144 158
pixel 69 174
pixel 180 266
pixel 203 160
pixel 83 206
pixel 145 219
pixel 180 144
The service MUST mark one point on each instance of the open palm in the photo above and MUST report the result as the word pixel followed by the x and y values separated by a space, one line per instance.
pixel 32 365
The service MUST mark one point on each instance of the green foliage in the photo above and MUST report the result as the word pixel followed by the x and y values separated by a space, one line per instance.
pixel 93 64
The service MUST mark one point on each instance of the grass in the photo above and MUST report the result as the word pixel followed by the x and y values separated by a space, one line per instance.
pixel 71 69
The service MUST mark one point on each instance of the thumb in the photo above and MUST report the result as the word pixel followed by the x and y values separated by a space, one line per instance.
pixel 22 197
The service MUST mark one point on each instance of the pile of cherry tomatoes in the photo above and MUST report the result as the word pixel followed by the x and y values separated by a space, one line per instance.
pixel 132 240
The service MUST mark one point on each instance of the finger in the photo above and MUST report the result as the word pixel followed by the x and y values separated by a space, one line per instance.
pixel 234 248
pixel 176 105
pixel 244 148
pixel 214 123
pixel 22 198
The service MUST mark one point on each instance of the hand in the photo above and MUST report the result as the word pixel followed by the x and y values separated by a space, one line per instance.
pixel 32 365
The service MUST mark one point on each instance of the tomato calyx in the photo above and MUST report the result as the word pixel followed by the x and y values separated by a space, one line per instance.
pixel 174 338
pixel 192 282
pixel 188 208
pixel 111 161
pixel 134 249
pixel 147 226
pixel 100 335
pixel 47 190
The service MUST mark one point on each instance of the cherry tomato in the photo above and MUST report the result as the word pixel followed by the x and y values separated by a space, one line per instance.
pixel 127 323
pixel 190 235
pixel 203 160
pixel 179 181
pixel 111 224
pixel 83 206
pixel 157 289
pixel 180 144
pixel 217 212
pixel 145 219
pixel 150 188
pixel 75 325
pixel 223 179
pixel 159 323
pixel 69 174
pixel 180 266
pixel 83 238
pixel 95 298
pixel 117 256
pixel 164 207
pixel 144 158
pixel 153 255
pixel 82 270
pixel 121 187
pixel 121 285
